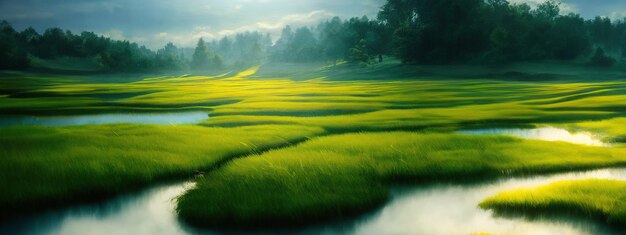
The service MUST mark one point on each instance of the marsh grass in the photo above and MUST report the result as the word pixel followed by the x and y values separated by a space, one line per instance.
pixel 250 97
pixel 336 176
pixel 259 108
pixel 47 166
pixel 612 130
pixel 594 198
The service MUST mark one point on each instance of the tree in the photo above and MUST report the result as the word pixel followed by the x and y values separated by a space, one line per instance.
pixel 406 42
pixel 359 53
pixel 303 47
pixel 381 41
pixel 602 31
pixel 569 37
pixel 280 50
pixel 225 46
pixel 445 30
pixel 169 58
pixel 331 39
pixel 201 56
pixel 12 55
pixel 255 55
pixel 93 44
pixel 600 59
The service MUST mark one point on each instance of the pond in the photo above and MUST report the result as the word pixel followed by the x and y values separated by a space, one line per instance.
pixel 170 118
pixel 543 133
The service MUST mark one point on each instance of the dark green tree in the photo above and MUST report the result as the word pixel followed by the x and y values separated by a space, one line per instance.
pixel 201 56
pixel 12 54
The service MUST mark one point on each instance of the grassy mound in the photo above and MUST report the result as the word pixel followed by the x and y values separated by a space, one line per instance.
pixel 335 176
pixel 43 166
pixel 594 198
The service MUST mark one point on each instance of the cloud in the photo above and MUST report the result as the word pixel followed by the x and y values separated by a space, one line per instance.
pixel 617 15
pixel 274 28
pixel 115 34
pixel 565 8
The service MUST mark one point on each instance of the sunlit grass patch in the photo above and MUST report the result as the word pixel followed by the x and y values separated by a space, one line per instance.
pixel 334 176
pixel 614 130
pixel 593 198
pixel 43 166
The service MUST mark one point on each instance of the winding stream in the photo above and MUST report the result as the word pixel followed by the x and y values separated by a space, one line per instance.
pixel 438 208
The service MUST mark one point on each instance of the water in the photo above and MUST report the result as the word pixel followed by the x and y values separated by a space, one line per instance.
pixel 147 212
pixel 443 208
pixel 453 209
pixel 543 133
pixel 439 208
pixel 173 118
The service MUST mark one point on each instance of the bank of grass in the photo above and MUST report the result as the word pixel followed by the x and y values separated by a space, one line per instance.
pixel 336 176
pixel 488 115
pixel 47 166
pixel 613 130
pixel 604 199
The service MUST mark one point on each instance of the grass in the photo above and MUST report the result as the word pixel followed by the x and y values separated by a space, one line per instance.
pixel 613 130
pixel 250 97
pixel 275 105
pixel 46 166
pixel 337 176
pixel 594 198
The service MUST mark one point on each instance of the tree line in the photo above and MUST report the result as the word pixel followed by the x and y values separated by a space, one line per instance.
pixel 496 31
pixel 415 31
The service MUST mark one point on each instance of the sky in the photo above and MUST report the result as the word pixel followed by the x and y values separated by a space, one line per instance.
pixel 154 23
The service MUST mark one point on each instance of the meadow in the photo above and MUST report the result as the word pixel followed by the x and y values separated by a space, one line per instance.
pixel 320 144
pixel 43 167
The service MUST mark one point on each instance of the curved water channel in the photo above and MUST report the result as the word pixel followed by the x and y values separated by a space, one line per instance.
pixel 437 208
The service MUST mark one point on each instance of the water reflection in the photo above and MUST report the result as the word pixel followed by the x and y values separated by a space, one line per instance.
pixel 452 209
pixel 442 208
pixel 543 133
pixel 147 212
pixel 190 117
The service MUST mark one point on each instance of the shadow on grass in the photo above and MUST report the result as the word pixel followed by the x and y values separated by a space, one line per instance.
pixel 558 214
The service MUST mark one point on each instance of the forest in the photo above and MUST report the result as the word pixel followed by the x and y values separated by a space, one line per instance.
pixel 423 32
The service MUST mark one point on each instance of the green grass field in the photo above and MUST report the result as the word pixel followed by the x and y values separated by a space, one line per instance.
pixel 330 177
pixel 46 166
pixel 368 128
pixel 604 199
